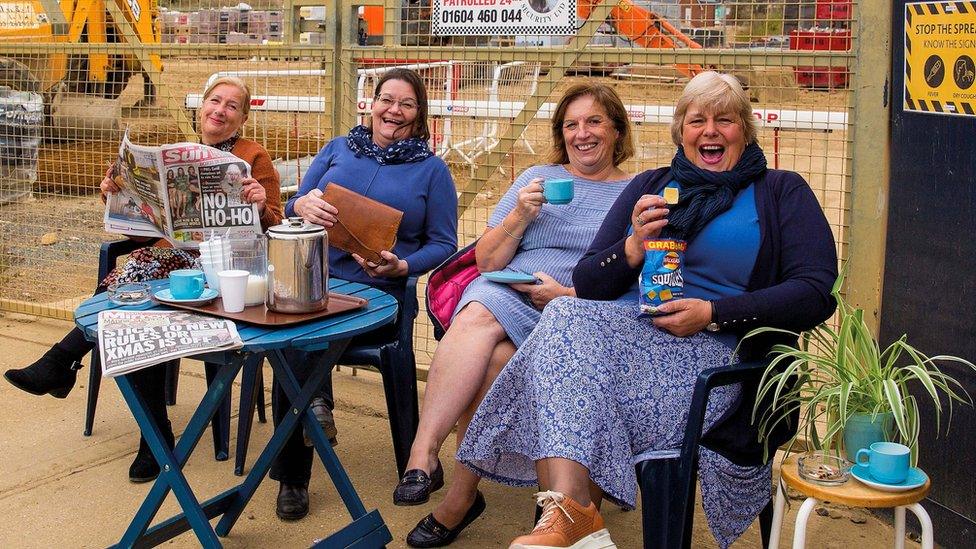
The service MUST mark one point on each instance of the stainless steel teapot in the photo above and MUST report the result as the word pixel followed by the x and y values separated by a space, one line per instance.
pixel 298 267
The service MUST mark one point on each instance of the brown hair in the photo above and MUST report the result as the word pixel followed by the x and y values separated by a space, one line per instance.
pixel 420 128
pixel 237 83
pixel 607 98
pixel 715 93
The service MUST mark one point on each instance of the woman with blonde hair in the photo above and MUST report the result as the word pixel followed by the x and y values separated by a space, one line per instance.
pixel 226 104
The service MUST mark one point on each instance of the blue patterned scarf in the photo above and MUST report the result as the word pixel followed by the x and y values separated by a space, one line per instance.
pixel 412 149
pixel 706 194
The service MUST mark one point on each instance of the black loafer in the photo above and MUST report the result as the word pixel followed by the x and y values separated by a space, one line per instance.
pixel 431 533
pixel 416 486
pixel 292 501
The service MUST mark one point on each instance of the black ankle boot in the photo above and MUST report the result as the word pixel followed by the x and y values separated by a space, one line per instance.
pixel 144 467
pixel 54 374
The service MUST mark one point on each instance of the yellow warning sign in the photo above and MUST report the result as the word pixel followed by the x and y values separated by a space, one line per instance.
pixel 940 57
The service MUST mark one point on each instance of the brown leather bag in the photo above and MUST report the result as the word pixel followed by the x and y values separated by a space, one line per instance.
pixel 365 226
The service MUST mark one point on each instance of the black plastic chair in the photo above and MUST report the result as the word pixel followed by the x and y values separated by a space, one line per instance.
pixel 398 366
pixel 668 485
pixel 108 257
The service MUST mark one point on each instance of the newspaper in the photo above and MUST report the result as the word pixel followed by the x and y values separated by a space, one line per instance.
pixel 132 340
pixel 181 192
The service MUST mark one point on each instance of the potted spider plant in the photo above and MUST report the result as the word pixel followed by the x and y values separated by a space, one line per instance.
pixel 841 380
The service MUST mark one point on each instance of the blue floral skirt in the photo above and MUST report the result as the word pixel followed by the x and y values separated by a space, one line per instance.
pixel 595 384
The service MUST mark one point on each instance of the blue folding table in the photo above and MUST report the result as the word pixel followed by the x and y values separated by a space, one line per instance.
pixel 365 530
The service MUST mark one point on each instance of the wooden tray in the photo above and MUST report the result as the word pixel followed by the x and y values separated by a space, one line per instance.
pixel 260 315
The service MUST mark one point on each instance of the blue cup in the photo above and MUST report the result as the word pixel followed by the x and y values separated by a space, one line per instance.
pixel 558 191
pixel 887 462
pixel 186 283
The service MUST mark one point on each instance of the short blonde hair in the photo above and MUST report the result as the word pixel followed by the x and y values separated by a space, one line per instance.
pixel 237 83
pixel 715 93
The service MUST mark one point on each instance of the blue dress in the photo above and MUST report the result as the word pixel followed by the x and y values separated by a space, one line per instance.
pixel 553 243
pixel 599 385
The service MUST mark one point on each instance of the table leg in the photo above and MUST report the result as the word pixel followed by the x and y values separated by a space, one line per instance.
pixel 171 461
pixel 900 527
pixel 928 536
pixel 300 397
pixel 802 516
pixel 779 507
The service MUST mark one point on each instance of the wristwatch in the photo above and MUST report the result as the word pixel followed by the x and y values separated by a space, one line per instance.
pixel 712 326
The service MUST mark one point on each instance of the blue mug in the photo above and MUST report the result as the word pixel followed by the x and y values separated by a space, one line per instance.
pixel 558 191
pixel 186 283
pixel 888 462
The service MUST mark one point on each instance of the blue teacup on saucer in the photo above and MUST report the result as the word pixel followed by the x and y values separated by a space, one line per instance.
pixel 916 478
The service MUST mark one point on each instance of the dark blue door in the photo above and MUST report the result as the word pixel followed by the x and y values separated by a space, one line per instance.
pixel 929 287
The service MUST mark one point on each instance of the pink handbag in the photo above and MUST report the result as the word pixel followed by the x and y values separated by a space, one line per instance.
pixel 446 284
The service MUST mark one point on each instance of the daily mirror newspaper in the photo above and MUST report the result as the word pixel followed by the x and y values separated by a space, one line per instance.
pixel 181 192
pixel 132 340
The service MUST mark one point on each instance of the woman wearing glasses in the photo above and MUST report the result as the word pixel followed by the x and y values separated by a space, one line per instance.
pixel 591 137
pixel 387 160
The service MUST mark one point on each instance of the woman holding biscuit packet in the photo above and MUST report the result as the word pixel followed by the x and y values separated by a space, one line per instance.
pixel 598 386
pixel 534 229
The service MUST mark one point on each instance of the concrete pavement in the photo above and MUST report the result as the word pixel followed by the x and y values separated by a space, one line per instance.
pixel 61 489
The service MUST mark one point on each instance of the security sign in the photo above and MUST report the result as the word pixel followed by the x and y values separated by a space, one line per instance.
pixel 504 17
pixel 940 57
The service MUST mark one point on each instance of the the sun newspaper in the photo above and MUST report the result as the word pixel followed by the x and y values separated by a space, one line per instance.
pixel 181 192
pixel 132 340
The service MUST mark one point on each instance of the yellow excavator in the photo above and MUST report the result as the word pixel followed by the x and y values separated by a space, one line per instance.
pixel 81 90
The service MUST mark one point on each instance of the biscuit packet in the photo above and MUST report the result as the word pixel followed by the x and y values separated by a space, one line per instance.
pixel 661 279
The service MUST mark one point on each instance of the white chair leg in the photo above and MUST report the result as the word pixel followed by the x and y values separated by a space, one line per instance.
pixel 928 536
pixel 779 507
pixel 899 527
pixel 800 530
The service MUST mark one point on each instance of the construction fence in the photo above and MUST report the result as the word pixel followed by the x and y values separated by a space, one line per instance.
pixel 312 65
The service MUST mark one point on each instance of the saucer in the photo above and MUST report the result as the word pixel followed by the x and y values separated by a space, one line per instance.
pixel 510 277
pixel 208 295
pixel 916 478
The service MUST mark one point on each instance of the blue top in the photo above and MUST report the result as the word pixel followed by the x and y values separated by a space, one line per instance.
pixel 552 243
pixel 423 191
pixel 720 258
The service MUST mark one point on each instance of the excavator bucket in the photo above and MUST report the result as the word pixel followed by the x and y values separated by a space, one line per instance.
pixel 76 116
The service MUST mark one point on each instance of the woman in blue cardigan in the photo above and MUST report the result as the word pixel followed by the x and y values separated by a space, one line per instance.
pixel 597 387
pixel 388 161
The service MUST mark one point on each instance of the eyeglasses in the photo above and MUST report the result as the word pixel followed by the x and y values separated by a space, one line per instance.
pixel 591 123
pixel 405 104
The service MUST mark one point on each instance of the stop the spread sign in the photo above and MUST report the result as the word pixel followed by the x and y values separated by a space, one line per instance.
pixel 500 17
pixel 940 57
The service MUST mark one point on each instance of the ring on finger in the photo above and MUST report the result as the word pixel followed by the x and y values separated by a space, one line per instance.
pixel 640 219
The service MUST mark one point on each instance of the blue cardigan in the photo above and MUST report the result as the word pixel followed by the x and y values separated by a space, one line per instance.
pixel 423 191
pixel 789 286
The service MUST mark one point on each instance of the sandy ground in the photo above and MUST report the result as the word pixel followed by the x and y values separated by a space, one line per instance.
pixel 59 488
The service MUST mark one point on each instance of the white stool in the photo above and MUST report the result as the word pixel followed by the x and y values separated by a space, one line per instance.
pixel 852 493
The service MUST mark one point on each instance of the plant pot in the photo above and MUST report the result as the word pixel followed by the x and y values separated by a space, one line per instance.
pixel 862 430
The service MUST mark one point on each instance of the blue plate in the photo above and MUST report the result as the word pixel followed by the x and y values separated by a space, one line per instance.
pixel 916 478
pixel 510 277
pixel 208 295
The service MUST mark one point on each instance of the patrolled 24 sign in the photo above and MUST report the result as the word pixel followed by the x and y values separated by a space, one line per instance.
pixel 940 57
pixel 504 17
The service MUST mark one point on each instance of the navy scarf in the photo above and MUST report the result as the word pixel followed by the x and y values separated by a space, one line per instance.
pixel 706 194
pixel 412 149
